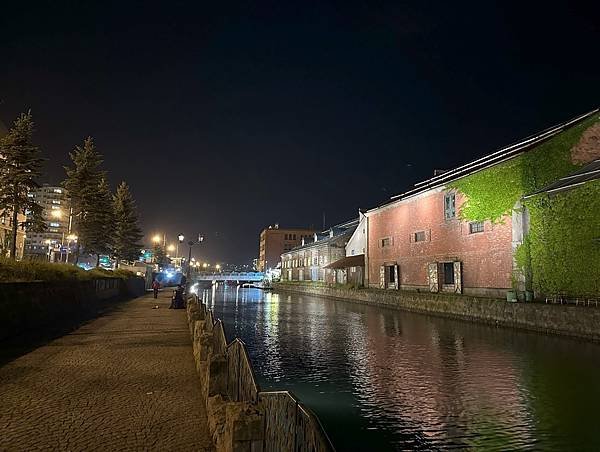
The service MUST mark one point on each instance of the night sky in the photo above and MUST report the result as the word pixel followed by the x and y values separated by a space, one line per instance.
pixel 225 119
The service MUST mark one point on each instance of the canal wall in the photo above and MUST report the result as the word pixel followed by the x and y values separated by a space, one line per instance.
pixel 28 307
pixel 567 320
pixel 241 417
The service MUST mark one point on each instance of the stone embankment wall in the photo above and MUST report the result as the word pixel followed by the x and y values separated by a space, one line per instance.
pixel 569 320
pixel 240 416
pixel 28 306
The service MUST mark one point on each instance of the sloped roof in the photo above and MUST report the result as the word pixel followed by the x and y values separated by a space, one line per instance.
pixel 341 233
pixel 589 172
pixel 348 261
pixel 499 156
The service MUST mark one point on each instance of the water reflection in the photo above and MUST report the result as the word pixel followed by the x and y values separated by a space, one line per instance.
pixel 381 379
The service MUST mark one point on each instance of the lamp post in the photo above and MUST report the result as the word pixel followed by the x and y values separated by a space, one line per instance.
pixel 180 239
pixel 189 262
pixel 70 238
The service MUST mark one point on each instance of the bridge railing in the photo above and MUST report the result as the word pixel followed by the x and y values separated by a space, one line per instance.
pixel 288 425
pixel 242 276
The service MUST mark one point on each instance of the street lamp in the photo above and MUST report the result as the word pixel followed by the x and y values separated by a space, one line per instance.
pixel 70 238
pixel 156 239
pixel 171 248
pixel 189 262
pixel 180 239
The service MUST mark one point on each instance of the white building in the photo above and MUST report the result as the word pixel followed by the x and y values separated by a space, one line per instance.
pixel 351 268
pixel 53 242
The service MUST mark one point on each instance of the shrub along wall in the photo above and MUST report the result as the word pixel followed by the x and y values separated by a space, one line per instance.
pixel 26 306
pixel 560 252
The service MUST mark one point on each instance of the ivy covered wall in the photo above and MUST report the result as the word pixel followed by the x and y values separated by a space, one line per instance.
pixel 560 253
pixel 564 241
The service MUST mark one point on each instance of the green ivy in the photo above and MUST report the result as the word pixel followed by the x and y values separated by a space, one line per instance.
pixel 561 251
pixel 492 193
pixel 564 241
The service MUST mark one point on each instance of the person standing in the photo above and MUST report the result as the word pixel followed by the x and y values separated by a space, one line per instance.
pixel 155 287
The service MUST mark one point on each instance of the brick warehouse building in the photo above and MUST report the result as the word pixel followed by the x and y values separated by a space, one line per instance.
pixel 425 239
pixel 274 241
pixel 417 243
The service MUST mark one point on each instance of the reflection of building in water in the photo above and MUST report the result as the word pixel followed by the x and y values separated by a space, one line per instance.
pixel 432 383
pixel 267 321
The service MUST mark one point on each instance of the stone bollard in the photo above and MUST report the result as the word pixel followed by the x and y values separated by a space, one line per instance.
pixel 235 426
pixel 243 428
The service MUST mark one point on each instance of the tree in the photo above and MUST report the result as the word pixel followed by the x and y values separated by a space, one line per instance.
pixel 20 165
pixel 100 222
pixel 126 234
pixel 90 199
pixel 159 254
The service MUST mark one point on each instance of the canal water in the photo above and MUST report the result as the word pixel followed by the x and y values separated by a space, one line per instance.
pixel 381 379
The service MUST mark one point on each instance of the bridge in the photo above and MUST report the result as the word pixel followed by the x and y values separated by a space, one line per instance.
pixel 229 276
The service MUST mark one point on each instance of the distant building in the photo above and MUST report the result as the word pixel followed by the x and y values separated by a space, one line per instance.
pixel 309 261
pixel 274 241
pixel 50 243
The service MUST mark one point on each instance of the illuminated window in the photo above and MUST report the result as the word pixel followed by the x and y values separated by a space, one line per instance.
pixel 449 206
pixel 475 227
pixel 57 190
pixel 55 225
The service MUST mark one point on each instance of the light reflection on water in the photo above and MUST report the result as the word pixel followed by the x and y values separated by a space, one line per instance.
pixel 381 379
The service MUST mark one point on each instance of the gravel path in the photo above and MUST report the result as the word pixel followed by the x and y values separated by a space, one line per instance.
pixel 125 381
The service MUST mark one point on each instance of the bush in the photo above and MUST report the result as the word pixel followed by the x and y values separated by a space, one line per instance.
pixel 11 271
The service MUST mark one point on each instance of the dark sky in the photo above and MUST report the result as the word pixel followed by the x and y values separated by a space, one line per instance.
pixel 224 119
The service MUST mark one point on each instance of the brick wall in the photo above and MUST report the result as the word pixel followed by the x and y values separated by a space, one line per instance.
pixel 486 256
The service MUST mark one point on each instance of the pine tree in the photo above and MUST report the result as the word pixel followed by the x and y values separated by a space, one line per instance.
pixel 20 165
pixel 127 234
pixel 90 199
pixel 160 256
pixel 100 222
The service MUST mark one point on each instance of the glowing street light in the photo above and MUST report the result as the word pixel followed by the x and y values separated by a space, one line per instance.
pixel 181 238
pixel 171 248
pixel 205 265
pixel 156 239
pixel 218 267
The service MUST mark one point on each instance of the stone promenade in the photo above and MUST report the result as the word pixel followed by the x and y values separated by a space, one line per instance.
pixel 125 381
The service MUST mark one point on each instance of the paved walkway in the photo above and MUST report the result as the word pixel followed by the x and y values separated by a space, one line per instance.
pixel 125 381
